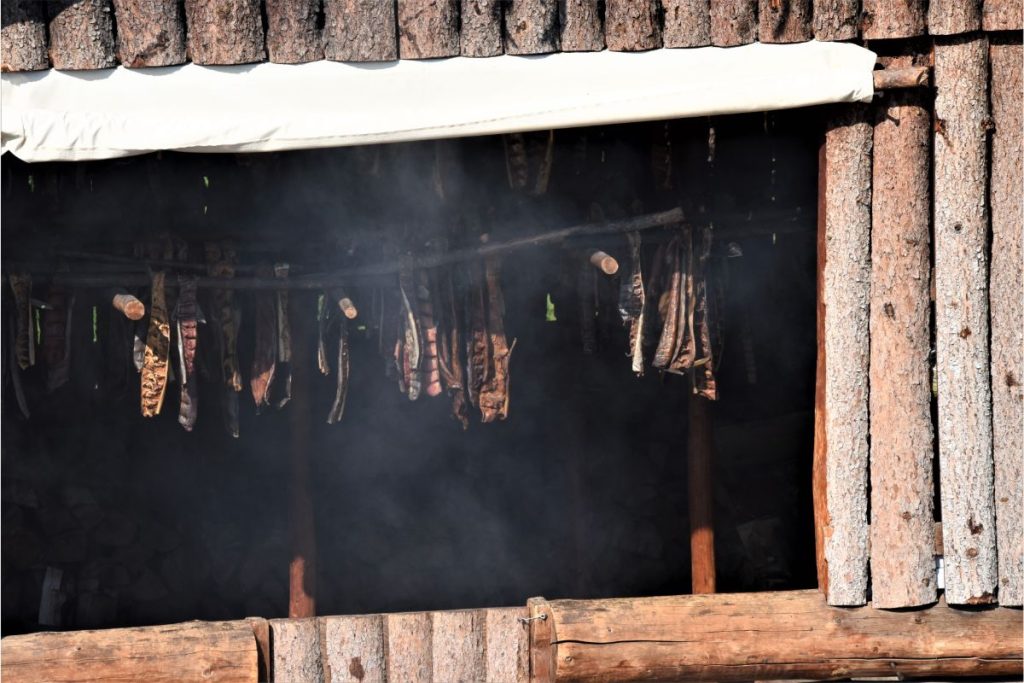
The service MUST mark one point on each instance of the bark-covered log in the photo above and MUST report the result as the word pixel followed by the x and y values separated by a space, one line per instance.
pixel 507 645
pixel 1005 286
pixel 949 17
pixel 962 319
pixel 846 293
pixel 836 19
pixel 902 518
pixel 428 28
pixel 81 34
pixel 631 25
pixel 580 23
pixel 224 31
pixel 1002 15
pixel 765 636
pixel 360 639
pixel 687 23
pixel 733 22
pixel 457 643
pixel 531 27
pixel 784 21
pixel 360 30
pixel 481 28
pixel 149 33
pixel 219 652
pixel 893 19
pixel 23 36
pixel 906 77
pixel 408 647
pixel 296 650
pixel 292 33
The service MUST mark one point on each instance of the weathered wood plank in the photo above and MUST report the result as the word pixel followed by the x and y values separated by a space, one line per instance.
pixel 836 19
pixel 352 649
pixel 1002 15
pixel 507 645
pixel 81 34
pixel 631 25
pixel 457 646
pixel 224 31
pixel 296 650
pixel 846 293
pixel 893 19
pixel 962 319
pixel 580 25
pixel 408 647
pixel 687 23
pixel 1006 283
pixel 222 652
pixel 360 30
pixel 784 21
pixel 150 33
pixel 481 28
pixel 733 22
pixel 531 27
pixel 949 17
pixel 819 463
pixel 902 518
pixel 292 33
pixel 428 28
pixel 759 636
pixel 23 36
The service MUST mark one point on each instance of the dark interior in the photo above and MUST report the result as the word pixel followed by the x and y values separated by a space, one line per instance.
pixel 580 493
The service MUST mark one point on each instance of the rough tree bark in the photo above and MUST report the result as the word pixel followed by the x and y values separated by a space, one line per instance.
pixel 949 17
pixel 893 19
pixel 81 34
pixel 846 293
pixel 580 23
pixel 224 31
pixel 733 22
pixel 687 23
pixel 481 28
pixel 836 19
pixel 428 28
pixel 22 36
pixel 149 33
pixel 1002 15
pixel 1007 312
pixel 531 27
pixel 784 21
pixel 360 30
pixel 961 319
pixel 292 34
pixel 902 518
pixel 631 25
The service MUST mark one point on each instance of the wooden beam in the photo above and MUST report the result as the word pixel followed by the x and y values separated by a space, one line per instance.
pixel 901 78
pixel 457 646
pixel 292 34
pixel 687 23
pixel 481 28
pixel 81 34
pixel 360 31
pixel 150 33
pixel 428 28
pixel 884 19
pixel 23 36
pixel 1002 15
pixel 836 19
pixel 784 21
pixel 962 318
pixel 301 528
pixel 224 32
pixel 765 636
pixel 700 495
pixel 733 22
pixel 819 471
pixel 949 17
pixel 531 27
pixel 296 651
pixel 221 652
pixel 408 644
pixel 631 25
pixel 580 25
pixel 353 648
pixel 1006 282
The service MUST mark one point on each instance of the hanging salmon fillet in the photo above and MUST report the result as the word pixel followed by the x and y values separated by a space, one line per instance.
pixel 155 365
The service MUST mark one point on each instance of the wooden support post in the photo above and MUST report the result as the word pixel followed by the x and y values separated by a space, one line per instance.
pixel 428 28
pixel 631 25
pixel 481 28
pixel 580 23
pixel 784 21
pixel 292 33
pixel 301 529
pixel 149 33
pixel 360 31
pixel 23 36
pixel 950 17
pixel 765 636
pixel 962 318
pixel 1006 283
pixel 819 474
pixel 687 23
pixel 836 19
pixel 902 516
pixel 224 32
pixel 81 34
pixel 531 27
pixel 1002 15
pixel 846 290
pixel 700 490
pixel 885 19
pixel 733 22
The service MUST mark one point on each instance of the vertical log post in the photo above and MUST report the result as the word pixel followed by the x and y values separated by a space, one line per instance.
pixel 687 23
pixel 149 33
pixel 846 294
pixel 893 19
pixel 631 25
pixel 1002 15
pixel 81 34
pixel 733 22
pixel 22 36
pixel 700 489
pixel 292 34
pixel 301 530
pixel 819 474
pixel 224 31
pixel 961 319
pixel 1006 283
pixel 360 30
pixel 531 27
pixel 581 28
pixel 784 21
pixel 428 28
pixel 902 515
pixel 950 17
pixel 836 19
pixel 481 28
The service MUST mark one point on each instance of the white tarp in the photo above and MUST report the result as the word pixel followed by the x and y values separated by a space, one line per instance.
pixel 58 115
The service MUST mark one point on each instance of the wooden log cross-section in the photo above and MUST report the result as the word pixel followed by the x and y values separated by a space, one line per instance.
pixel 149 33
pixel 764 636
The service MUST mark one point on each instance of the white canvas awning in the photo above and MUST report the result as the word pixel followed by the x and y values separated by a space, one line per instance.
pixel 58 115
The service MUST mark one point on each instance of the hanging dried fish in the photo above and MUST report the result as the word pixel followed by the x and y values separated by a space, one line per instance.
pixel 494 394
pixel 431 371
pixel 341 392
pixel 19 392
pixel 685 345
pixel 139 344
pixel 668 306
pixel 449 346
pixel 410 349
pixel 155 364
pixel 323 319
pixel 704 367
pixel 264 361
pixel 24 344
pixel 221 260
pixel 284 339
pixel 57 336
pixel 478 344
pixel 632 304
pixel 187 317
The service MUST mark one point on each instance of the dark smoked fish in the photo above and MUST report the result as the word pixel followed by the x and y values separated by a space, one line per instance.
pixel 57 336
pixel 264 361
pixel 478 343
pixel 156 363
pixel 449 345
pixel 685 345
pixel 226 318
pixel 431 369
pixel 410 353
pixel 668 307
pixel 187 318
pixel 494 394
pixel 24 344
pixel 284 340
pixel 632 306
pixel 704 367
pixel 341 392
